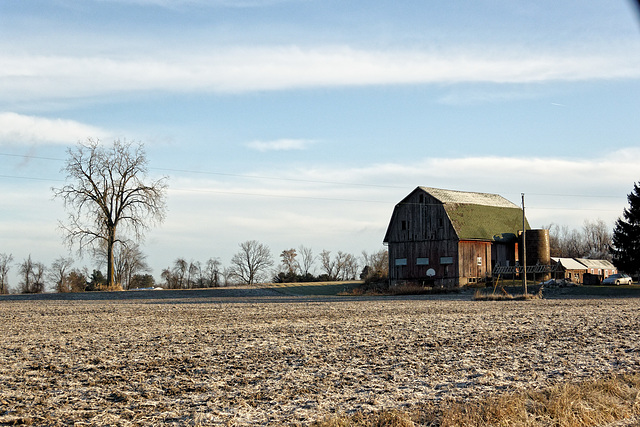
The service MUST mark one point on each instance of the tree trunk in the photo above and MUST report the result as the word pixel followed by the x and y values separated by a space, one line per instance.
pixel 111 239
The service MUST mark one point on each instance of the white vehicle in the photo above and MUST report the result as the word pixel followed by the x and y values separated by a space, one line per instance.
pixel 617 279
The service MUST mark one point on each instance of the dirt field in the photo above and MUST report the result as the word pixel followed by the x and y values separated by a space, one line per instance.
pixel 243 357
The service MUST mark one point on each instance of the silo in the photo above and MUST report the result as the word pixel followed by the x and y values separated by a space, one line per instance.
pixel 538 252
pixel 538 247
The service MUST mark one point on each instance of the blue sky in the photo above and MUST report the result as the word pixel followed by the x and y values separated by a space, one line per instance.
pixel 304 121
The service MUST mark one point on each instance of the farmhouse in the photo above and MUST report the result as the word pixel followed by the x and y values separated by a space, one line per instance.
pixel 452 238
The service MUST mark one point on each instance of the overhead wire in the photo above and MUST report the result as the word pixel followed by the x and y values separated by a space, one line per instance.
pixel 308 181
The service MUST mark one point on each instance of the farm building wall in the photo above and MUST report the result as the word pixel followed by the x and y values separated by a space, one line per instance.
pixel 474 260
pixel 421 239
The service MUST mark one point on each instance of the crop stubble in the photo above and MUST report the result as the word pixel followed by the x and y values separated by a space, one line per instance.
pixel 200 362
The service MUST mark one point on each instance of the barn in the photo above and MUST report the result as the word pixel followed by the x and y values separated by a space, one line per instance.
pixel 451 238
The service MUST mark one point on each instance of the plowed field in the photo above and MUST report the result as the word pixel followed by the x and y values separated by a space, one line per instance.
pixel 251 357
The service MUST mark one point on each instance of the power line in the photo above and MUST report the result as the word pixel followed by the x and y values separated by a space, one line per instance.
pixel 307 181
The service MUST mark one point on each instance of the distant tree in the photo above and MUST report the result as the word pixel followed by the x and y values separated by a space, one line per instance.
pixel 252 262
pixel 211 273
pixel 306 260
pixel 289 262
pixel 170 279
pixel 566 243
pixel 597 239
pixel 328 265
pixel 97 282
pixel 128 259
pixel 77 281
pixel 32 274
pixel 346 266
pixel 109 195
pixel 625 248
pixel 194 275
pixel 58 274
pixel 5 266
pixel 142 281
pixel 376 266
pixel 180 269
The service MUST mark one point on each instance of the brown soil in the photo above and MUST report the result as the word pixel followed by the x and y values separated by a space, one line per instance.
pixel 250 357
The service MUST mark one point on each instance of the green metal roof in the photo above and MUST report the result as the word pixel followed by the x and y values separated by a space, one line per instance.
pixel 483 222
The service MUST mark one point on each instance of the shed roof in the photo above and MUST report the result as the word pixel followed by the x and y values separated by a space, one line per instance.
pixel 569 263
pixel 596 263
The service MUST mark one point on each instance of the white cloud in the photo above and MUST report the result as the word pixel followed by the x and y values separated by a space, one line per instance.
pixel 18 129
pixel 242 69
pixel 280 145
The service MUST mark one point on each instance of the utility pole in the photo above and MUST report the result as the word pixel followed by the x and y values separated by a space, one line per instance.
pixel 524 249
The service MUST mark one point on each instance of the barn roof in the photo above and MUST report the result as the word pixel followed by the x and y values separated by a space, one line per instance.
pixel 475 216
pixel 479 216
pixel 465 197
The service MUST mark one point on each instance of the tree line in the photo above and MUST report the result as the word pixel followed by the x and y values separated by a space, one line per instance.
pixel 593 241
pixel 252 264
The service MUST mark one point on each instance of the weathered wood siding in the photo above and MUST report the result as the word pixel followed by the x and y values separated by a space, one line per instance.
pixel 420 237
pixel 474 259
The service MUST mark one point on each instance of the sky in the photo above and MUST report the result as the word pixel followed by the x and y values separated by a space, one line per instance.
pixel 303 122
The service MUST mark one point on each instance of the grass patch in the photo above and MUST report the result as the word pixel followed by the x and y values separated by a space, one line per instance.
pixel 589 403
pixel 315 288
pixel 503 295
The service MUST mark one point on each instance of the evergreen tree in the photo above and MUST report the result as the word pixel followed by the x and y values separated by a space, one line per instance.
pixel 626 235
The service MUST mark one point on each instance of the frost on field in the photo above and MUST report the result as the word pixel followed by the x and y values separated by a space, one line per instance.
pixel 208 361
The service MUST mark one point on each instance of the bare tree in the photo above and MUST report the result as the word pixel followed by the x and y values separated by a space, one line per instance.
pixel 211 273
pixel 32 274
pixel 170 280
pixel 252 262
pixel 289 261
pixel 597 239
pixel 306 260
pixel 128 260
pixel 58 274
pixel 328 264
pixel 376 265
pixel 346 266
pixel 194 274
pixel 5 266
pixel 109 196
pixel 180 270
pixel 593 241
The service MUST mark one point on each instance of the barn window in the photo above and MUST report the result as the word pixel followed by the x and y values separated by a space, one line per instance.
pixel 404 225
pixel 440 222
pixel 401 261
pixel 422 198
pixel 422 261
pixel 446 260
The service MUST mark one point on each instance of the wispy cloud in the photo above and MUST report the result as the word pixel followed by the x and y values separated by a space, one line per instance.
pixel 280 145
pixel 207 3
pixel 245 69
pixel 19 129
